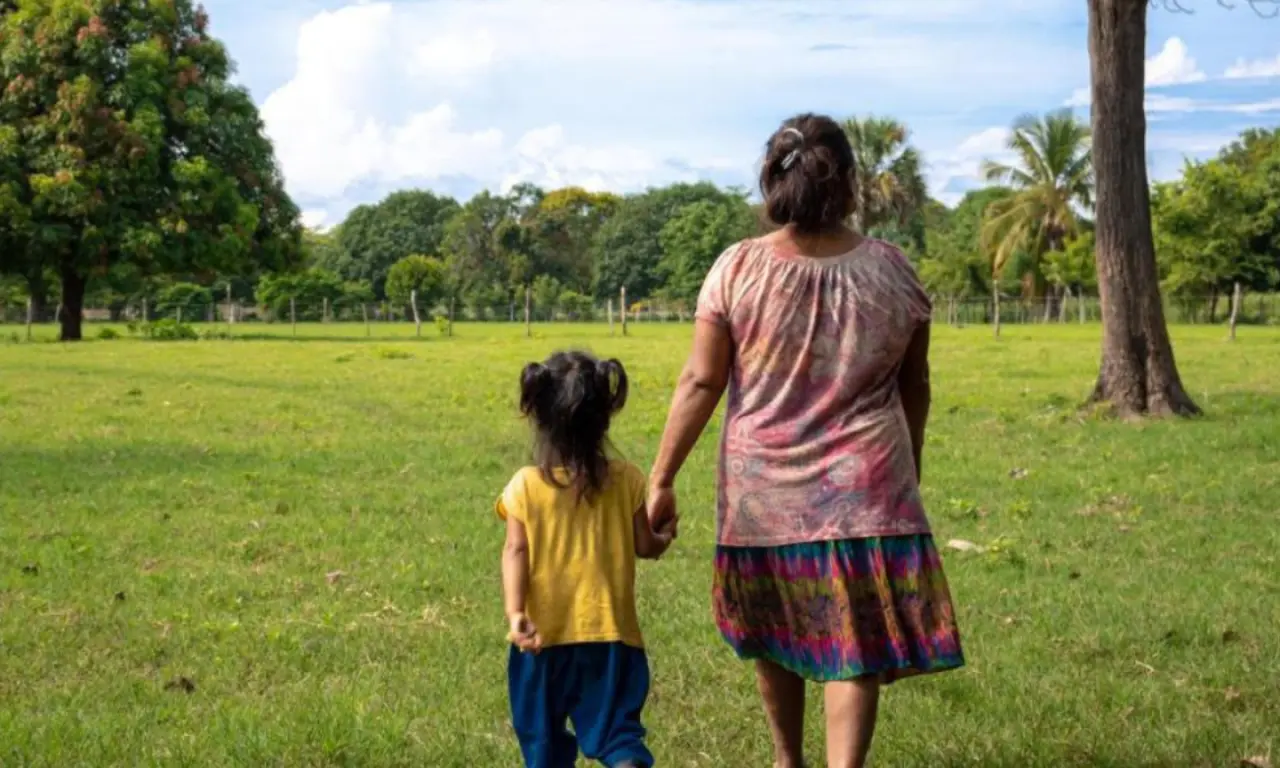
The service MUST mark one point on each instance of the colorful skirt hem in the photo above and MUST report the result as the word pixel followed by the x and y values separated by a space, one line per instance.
pixel 839 610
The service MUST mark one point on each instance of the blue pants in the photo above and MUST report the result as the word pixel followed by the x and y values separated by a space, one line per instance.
pixel 600 687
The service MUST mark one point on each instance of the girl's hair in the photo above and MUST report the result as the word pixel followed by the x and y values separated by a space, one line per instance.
pixel 808 175
pixel 570 399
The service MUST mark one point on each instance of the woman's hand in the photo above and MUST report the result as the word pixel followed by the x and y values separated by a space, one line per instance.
pixel 661 508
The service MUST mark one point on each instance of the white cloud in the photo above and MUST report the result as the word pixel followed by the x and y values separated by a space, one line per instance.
pixel 1173 65
pixel 1158 103
pixel 1256 68
pixel 962 167
pixel 453 57
pixel 314 218
pixel 651 91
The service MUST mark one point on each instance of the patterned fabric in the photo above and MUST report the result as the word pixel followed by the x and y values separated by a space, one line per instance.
pixel 836 610
pixel 815 444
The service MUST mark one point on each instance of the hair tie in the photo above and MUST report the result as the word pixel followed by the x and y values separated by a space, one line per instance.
pixel 794 154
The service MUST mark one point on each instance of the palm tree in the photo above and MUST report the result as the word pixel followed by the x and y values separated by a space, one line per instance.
pixel 891 187
pixel 1052 180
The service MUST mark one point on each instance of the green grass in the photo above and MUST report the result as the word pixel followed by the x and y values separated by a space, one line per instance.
pixel 303 532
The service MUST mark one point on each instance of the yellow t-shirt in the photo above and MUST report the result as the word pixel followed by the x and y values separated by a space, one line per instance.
pixel 582 561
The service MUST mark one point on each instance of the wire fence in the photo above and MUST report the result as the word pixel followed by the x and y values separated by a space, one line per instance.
pixel 242 318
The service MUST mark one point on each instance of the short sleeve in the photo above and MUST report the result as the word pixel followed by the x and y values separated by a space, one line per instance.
pixel 713 299
pixel 514 501
pixel 637 487
pixel 919 305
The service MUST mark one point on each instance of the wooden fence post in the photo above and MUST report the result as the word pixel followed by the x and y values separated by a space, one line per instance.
pixel 30 317
pixel 293 314
pixel 610 316
pixel 1235 309
pixel 417 322
pixel 324 312
pixel 623 308
pixel 528 312
pixel 231 311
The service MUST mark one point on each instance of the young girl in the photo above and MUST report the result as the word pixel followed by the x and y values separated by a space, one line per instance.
pixel 575 524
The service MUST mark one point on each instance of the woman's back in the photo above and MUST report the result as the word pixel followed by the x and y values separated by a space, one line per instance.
pixel 815 444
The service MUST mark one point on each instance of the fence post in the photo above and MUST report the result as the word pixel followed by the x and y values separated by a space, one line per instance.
pixel 324 312
pixel 231 312
pixel 452 302
pixel 145 316
pixel 1235 309
pixel 30 317
pixel 364 309
pixel 293 315
pixel 995 302
pixel 623 298
pixel 417 322
pixel 610 316
pixel 528 312
pixel 178 314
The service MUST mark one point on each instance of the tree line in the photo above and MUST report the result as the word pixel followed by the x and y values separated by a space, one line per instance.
pixel 130 165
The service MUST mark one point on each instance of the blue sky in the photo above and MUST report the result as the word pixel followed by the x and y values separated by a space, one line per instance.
pixel 362 97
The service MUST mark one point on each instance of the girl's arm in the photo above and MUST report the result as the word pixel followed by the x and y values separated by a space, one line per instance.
pixel 650 544
pixel 705 376
pixel 915 391
pixel 515 587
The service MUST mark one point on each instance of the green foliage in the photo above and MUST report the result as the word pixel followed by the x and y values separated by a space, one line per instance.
pixel 891 188
pixel 694 237
pixel 132 98
pixel 108 334
pixel 308 289
pixel 182 296
pixel 169 330
pixel 1052 181
pixel 429 277
pixel 577 306
pixel 546 292
pixel 374 237
pixel 1076 265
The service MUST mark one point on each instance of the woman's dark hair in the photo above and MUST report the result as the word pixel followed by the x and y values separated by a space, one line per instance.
pixel 570 399
pixel 808 175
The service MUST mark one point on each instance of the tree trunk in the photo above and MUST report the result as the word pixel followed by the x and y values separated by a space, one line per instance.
pixel 1213 306
pixel 995 304
pixel 1137 375
pixel 39 293
pixel 1236 296
pixel 71 315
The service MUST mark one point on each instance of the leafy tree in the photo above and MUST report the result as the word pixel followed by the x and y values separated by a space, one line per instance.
pixel 627 249
pixel 564 224
pixel 693 238
pixel 183 296
pixel 891 186
pixel 577 306
pixel 1052 181
pixel 428 277
pixel 373 237
pixel 1204 228
pixel 308 290
pixel 477 245
pixel 546 292
pixel 123 142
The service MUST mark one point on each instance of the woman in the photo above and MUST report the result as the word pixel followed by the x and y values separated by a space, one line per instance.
pixel 825 569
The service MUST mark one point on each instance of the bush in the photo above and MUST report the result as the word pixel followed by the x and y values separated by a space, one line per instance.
pixel 442 324
pixel 169 330
pixel 108 334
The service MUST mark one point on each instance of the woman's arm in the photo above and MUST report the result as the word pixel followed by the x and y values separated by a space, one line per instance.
pixel 705 376
pixel 913 387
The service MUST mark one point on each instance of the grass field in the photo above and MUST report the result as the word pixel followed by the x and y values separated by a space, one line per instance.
pixel 258 553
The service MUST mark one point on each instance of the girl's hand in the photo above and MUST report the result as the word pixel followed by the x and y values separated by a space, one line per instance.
pixel 523 634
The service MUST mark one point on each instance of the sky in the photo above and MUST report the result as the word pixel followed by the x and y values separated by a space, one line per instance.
pixel 364 97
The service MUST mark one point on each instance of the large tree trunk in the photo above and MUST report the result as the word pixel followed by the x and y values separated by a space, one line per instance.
pixel 1138 375
pixel 71 315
